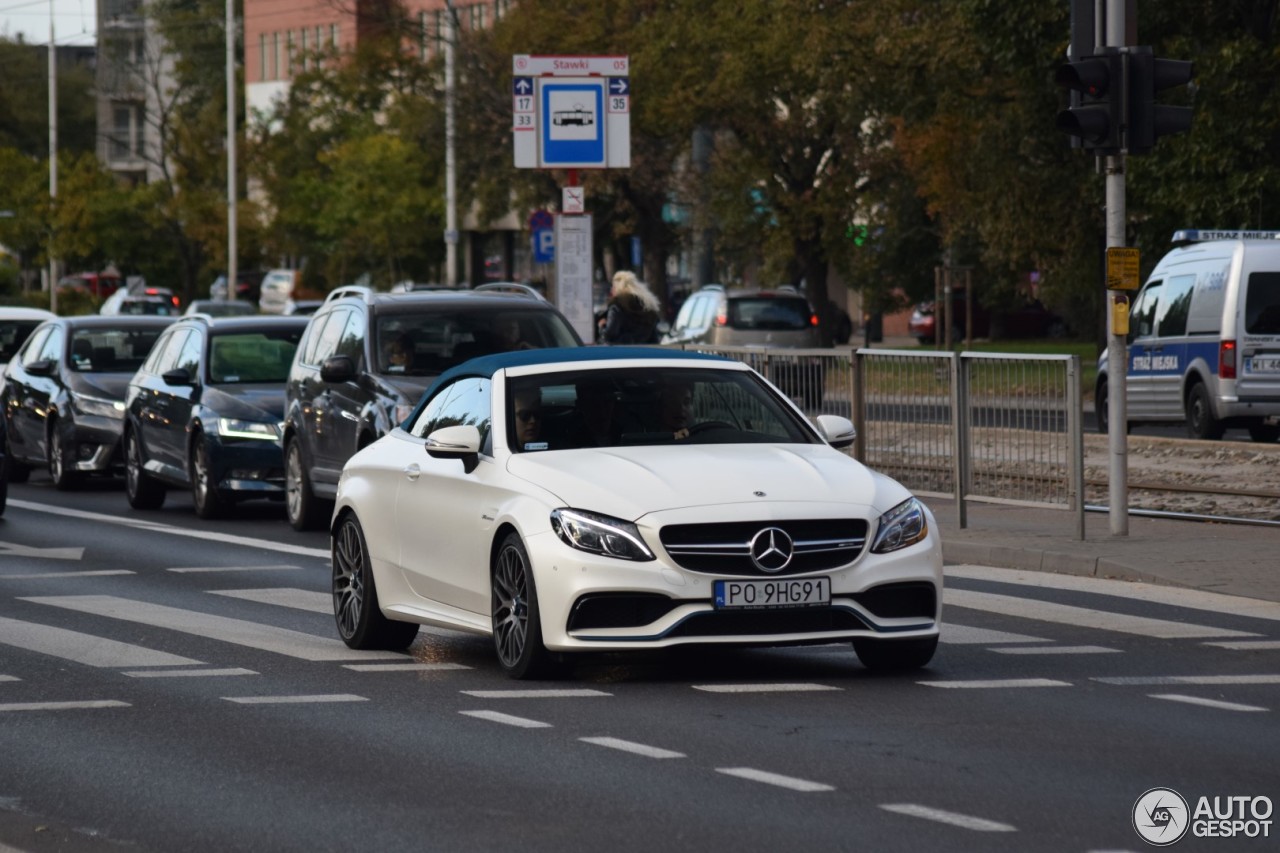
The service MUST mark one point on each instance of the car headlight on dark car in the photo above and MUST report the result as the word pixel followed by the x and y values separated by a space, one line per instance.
pixel 901 526
pixel 235 428
pixel 98 406
pixel 600 534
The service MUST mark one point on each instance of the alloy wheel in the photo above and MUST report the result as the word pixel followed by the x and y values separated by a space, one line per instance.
pixel 57 454
pixel 348 578
pixel 293 482
pixel 132 465
pixel 510 606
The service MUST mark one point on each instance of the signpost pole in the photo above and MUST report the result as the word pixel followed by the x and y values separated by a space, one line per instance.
pixel 1117 350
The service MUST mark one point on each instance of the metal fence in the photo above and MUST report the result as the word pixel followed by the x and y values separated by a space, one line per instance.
pixel 990 427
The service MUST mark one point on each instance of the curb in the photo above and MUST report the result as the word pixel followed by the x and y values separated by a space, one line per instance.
pixel 1054 562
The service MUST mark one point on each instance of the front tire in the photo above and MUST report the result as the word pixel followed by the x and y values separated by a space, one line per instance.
pixel 142 491
pixel 1264 432
pixel 14 471
pixel 1200 420
pixel 301 504
pixel 204 488
pixel 517 626
pixel 1101 408
pixel 361 624
pixel 64 477
pixel 895 655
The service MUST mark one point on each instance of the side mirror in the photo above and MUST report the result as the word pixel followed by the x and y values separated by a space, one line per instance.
pixel 454 442
pixel 43 367
pixel 839 432
pixel 338 368
pixel 177 376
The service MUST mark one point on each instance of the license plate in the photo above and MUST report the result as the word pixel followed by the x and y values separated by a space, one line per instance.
pixel 767 595
pixel 1264 364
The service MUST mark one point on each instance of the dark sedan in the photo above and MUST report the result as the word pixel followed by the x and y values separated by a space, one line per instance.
pixel 204 412
pixel 64 394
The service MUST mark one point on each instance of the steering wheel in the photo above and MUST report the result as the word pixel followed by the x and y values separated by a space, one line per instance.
pixel 709 425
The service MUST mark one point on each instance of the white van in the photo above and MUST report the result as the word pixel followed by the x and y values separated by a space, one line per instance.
pixel 1204 337
pixel 277 288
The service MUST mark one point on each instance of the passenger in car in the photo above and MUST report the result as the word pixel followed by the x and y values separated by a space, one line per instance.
pixel 527 409
pixel 675 409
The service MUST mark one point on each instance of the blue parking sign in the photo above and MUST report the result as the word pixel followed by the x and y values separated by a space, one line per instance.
pixel 544 246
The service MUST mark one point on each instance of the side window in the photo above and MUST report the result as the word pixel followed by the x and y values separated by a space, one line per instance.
pixel 327 344
pixel 1142 319
pixel 703 306
pixel 153 358
pixel 189 355
pixel 1175 306
pixel 52 348
pixel 686 311
pixel 32 350
pixel 1262 304
pixel 315 330
pixel 352 341
pixel 465 401
pixel 167 358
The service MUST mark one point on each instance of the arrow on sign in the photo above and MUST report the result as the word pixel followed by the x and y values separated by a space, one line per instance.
pixel 619 86
pixel 12 549
pixel 523 85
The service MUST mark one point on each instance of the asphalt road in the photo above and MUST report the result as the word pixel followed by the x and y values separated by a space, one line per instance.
pixel 178 685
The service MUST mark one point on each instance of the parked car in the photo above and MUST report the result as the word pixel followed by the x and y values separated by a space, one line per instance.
pixel 221 308
pixel 99 284
pixel 204 412
pixel 64 395
pixel 16 325
pixel 144 299
pixel 1028 319
pixel 277 289
pixel 366 359
pixel 778 318
pixel 302 307
pixel 248 286
pixel 567 561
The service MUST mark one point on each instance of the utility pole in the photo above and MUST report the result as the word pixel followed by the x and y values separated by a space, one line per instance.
pixel 450 157
pixel 232 272
pixel 53 159
pixel 1117 344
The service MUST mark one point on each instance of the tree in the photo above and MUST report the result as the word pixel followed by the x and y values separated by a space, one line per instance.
pixel 24 101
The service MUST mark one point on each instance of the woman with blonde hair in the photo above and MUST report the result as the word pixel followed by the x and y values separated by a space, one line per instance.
pixel 631 316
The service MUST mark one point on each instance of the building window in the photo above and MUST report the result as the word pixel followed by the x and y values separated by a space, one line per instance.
pixel 422 35
pixel 477 16
pixel 442 24
pixel 303 62
pixel 262 56
pixel 125 131
pixel 275 56
pixel 500 9
pixel 291 55
pixel 333 35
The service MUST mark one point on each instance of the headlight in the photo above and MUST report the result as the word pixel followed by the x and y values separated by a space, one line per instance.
pixel 901 526
pixel 232 428
pixel 98 406
pixel 599 534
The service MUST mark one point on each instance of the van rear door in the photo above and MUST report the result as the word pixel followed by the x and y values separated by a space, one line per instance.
pixel 1259 379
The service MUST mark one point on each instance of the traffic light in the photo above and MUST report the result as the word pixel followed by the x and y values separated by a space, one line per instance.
pixel 1148 120
pixel 1096 114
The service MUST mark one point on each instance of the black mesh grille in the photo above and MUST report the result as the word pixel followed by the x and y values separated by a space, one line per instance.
pixel 619 610
pixel 730 623
pixel 724 549
pixel 900 600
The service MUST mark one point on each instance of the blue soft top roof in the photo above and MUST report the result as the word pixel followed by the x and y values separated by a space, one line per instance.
pixel 487 365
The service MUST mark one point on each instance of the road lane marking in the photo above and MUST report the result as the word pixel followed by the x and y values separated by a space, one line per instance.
pixel 1083 617
pixel 84 648
pixel 405 667
pixel 42 575
pixel 963 635
pixel 63 706
pixel 1247 645
pixel 297 599
pixel 239 632
pixel 1208 703
pixel 188 673
pixel 4 677
pixel 295 700
pixel 506 719
pixel 1191 679
pixel 964 821
pixel 1192 599
pixel 803 785
pixel 533 694
pixel 1055 650
pixel 197 570
pixel 154 527
pixel 630 746
pixel 761 688
pixel 996 683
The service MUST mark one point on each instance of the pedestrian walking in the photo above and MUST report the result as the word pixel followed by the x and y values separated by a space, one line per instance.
pixel 631 315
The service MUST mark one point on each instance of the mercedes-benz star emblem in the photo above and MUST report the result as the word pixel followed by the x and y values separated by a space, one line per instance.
pixel 771 549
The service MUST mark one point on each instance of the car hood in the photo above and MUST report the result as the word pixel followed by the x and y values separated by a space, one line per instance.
pixel 108 386
pixel 630 482
pixel 249 402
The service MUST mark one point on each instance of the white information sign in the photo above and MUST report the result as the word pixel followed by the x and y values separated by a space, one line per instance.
pixel 571 112
pixel 573 273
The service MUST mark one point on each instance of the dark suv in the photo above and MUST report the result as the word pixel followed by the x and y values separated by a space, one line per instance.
pixel 367 357
pixel 204 412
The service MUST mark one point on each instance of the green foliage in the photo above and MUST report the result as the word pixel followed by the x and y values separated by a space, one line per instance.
pixel 24 101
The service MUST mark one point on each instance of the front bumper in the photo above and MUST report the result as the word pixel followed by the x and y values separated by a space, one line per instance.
pixel 94 445
pixel 248 468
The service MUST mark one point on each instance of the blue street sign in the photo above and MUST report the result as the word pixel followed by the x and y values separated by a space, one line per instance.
pixel 619 86
pixel 637 257
pixel 544 245
pixel 523 85
pixel 572 126
pixel 540 219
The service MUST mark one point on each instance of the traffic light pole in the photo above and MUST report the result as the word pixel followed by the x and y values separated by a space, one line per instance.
pixel 1117 355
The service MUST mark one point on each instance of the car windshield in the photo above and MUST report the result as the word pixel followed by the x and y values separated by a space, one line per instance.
pixel 427 344
pixel 771 313
pixel 99 350
pixel 258 356
pixel 646 406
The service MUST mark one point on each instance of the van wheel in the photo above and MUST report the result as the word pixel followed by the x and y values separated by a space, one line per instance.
pixel 14 471
pixel 1200 420
pixel 1264 432
pixel 1101 407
